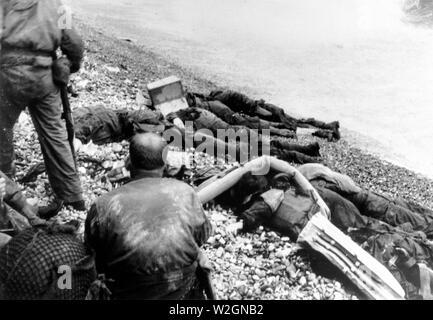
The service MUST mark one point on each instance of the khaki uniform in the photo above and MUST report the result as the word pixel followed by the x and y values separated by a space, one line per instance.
pixel 31 34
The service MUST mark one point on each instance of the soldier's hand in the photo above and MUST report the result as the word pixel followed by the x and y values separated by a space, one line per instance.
pixel 38 222
pixel 61 71
pixel 402 253
pixel 179 123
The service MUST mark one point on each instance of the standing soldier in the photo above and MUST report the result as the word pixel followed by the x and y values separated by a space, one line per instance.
pixel 31 33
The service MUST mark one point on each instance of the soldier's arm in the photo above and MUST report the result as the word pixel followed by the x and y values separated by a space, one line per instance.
pixel 203 233
pixel 12 194
pixel 72 46
pixel 202 226
pixel 91 231
pixel 257 214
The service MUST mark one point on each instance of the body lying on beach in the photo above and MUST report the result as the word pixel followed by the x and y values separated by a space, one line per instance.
pixel 396 232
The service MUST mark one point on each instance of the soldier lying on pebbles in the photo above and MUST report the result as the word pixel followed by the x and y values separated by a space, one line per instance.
pixel 280 148
pixel 240 103
pixel 237 119
pixel 208 120
pixel 394 231
pixel 147 234
pixel 102 125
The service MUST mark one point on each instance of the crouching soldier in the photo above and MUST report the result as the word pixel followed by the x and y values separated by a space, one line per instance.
pixel 147 234
pixel 46 263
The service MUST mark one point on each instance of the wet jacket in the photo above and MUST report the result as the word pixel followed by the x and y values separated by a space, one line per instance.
pixel 147 237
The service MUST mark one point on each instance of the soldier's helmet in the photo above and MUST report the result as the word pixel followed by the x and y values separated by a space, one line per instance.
pixel 45 264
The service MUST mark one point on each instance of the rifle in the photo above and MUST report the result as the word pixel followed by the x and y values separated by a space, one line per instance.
pixel 67 116
pixel 204 276
pixel 62 80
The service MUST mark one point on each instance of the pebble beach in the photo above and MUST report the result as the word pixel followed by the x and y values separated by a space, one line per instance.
pixel 262 265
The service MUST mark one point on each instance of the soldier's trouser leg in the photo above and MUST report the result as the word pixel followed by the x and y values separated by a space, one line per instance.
pixel 9 114
pixel 312 150
pixel 51 129
pixel 383 208
pixel 387 210
pixel 236 101
pixel 292 156
pixel 233 118
pixel 219 109
pixel 250 122
pixel 333 127
pixel 344 214
pixel 314 123
pixel 279 115
pixel 414 207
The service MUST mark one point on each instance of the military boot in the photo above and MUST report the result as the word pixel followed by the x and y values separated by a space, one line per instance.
pixel 335 127
pixel 53 209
